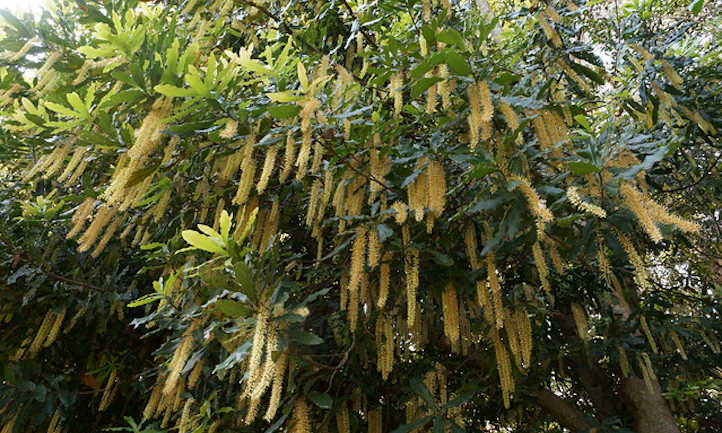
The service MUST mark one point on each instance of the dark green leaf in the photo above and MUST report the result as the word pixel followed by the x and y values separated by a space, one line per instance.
pixel 581 168
pixel 285 111
pixel 322 400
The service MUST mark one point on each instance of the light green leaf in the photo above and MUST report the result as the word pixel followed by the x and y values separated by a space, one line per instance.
pixel 457 63
pixel 168 90
pixel 286 96
pixel 147 299
pixel 61 109
pixel 201 242
pixel 225 223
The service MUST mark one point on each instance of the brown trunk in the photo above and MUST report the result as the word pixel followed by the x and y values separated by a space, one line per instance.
pixel 648 408
pixel 564 413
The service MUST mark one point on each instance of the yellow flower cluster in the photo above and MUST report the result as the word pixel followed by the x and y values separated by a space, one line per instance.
pixel 503 365
pixel 480 113
pixel 519 335
pixel 450 309
pixel 302 417
pixel 536 206
pixel 358 272
pixel 411 262
pixel 541 266
pixel 384 280
pixel 384 346
pixel 580 320
pixel 678 344
pixel 576 200
pixel 648 333
pixel 640 272
pixel 428 190
pixel 343 423
pixel 549 31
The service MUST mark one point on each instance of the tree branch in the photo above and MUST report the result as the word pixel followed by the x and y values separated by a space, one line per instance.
pixel 24 256
pixel 564 413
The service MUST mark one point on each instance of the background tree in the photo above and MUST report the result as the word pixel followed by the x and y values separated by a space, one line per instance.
pixel 487 223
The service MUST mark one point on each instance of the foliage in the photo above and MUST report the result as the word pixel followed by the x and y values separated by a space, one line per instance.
pixel 393 215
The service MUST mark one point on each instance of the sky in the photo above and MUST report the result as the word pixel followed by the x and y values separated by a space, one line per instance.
pixel 21 5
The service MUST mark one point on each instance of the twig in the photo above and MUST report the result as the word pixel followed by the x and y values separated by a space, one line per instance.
pixel 360 27
pixel 695 183
pixel 359 172
pixel 341 364
pixel 23 255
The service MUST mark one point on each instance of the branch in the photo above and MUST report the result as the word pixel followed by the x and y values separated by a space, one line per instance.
pixel 24 256
pixel 564 413
pixel 695 183
pixel 360 27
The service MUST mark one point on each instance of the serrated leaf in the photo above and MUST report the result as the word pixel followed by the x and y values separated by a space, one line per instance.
pixel 583 121
pixel 427 64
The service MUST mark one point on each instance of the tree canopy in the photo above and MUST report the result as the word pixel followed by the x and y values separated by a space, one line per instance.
pixel 499 218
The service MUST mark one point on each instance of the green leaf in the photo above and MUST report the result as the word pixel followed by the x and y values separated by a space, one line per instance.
pixel 225 223
pixel 125 96
pixel 457 63
pixel 201 242
pixel 526 103
pixel 481 170
pixel 581 168
pixel 451 36
pixel 696 6
pixel 196 83
pixel 285 111
pixel 584 122
pixel 168 90
pixel 305 337
pixel 232 308
pixel 418 387
pixel 65 111
pixel 422 85
pixel 427 64
pixel 322 400
pixel 385 232
pixel 147 299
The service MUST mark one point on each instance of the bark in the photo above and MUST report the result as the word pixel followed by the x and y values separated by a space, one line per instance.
pixel 599 389
pixel 648 408
pixel 564 413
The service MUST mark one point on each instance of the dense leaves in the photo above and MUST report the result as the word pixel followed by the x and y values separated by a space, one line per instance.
pixel 395 216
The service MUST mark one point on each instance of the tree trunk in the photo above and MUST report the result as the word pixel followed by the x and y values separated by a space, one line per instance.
pixel 564 413
pixel 648 408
